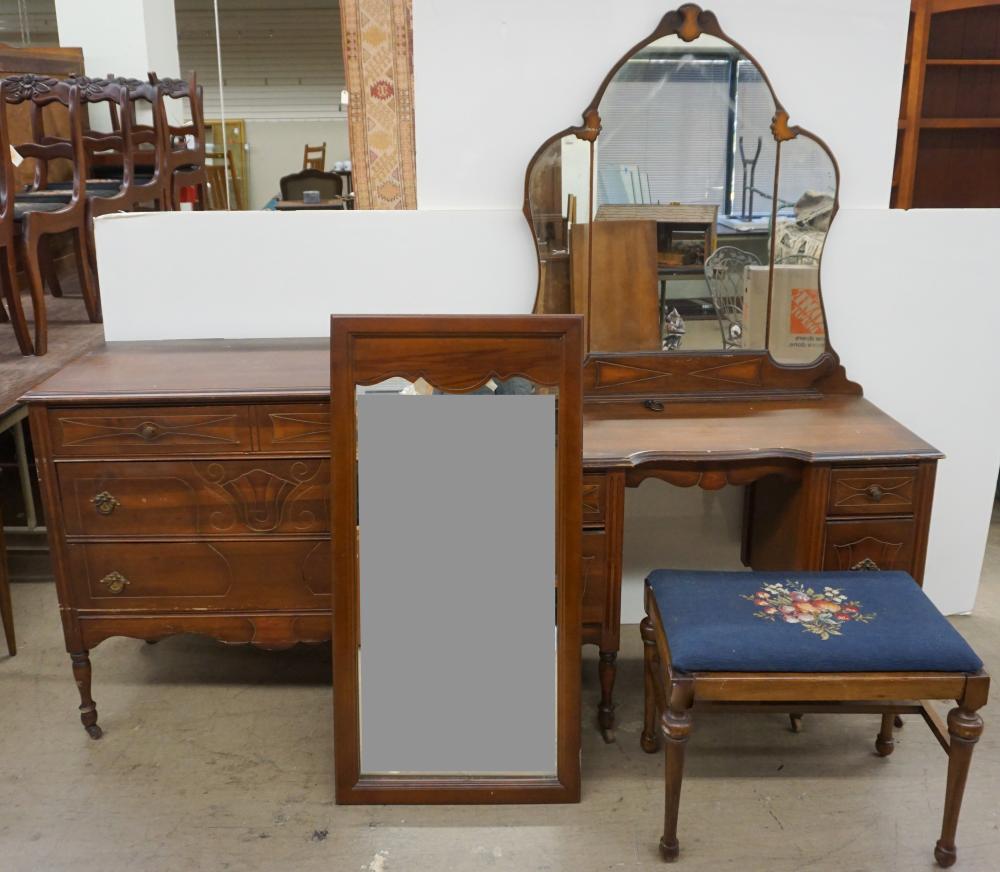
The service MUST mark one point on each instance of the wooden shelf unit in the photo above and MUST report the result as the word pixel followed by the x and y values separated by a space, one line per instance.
pixel 948 147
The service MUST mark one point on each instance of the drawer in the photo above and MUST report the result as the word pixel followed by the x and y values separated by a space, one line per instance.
pixel 595 499
pixel 594 577
pixel 294 427
pixel 869 544
pixel 886 490
pixel 227 575
pixel 151 430
pixel 195 497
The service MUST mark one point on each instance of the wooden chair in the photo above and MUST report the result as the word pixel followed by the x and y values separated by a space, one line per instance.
pixel 185 161
pixel 152 180
pixel 6 612
pixel 801 642
pixel 35 217
pixel 329 185
pixel 314 157
pixel 14 312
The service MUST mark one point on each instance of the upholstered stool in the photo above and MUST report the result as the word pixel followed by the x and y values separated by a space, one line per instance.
pixel 806 642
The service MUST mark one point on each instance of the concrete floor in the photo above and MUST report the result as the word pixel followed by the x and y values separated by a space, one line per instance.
pixel 220 758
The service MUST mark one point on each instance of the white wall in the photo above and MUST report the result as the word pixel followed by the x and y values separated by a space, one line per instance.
pixel 491 83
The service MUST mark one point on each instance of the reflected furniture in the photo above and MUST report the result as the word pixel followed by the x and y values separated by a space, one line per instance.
pixel 215 168
pixel 232 139
pixel 824 642
pixel 185 151
pixel 433 569
pixel 323 205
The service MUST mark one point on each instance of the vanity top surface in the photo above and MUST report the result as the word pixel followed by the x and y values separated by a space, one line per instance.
pixel 616 434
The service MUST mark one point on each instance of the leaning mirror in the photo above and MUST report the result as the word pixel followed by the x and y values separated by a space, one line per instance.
pixel 678 203
pixel 457 503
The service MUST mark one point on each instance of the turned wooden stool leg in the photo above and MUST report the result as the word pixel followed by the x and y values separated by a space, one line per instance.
pixel 606 671
pixel 964 727
pixel 649 741
pixel 884 743
pixel 676 726
pixel 88 708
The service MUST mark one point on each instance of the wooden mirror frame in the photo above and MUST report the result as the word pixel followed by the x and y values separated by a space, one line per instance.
pixel 654 375
pixel 458 354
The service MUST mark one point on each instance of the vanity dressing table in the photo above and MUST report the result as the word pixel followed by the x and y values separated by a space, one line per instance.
pixel 187 483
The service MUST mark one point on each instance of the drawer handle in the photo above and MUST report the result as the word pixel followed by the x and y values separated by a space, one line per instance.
pixel 866 565
pixel 875 493
pixel 149 431
pixel 105 503
pixel 115 581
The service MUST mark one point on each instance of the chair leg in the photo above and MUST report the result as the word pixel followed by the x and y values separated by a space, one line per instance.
pixel 964 727
pixel 649 741
pixel 49 267
pixel 33 271
pixel 6 612
pixel 12 294
pixel 676 726
pixel 606 671
pixel 88 708
pixel 795 722
pixel 91 297
pixel 884 743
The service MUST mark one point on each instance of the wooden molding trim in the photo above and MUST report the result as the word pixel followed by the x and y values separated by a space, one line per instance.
pixel 378 61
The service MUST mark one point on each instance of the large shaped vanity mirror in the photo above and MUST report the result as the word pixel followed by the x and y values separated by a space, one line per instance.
pixel 685 215
pixel 456 526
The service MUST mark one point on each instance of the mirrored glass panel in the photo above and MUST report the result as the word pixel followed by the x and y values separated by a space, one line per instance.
pixel 457 563
pixel 807 190
pixel 686 159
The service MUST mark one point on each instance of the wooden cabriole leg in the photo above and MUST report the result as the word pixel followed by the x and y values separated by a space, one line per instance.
pixel 88 708
pixel 650 738
pixel 606 671
pixel 676 727
pixel 884 743
pixel 965 726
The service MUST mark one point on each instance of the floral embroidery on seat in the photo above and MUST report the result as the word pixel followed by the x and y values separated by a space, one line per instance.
pixel 818 613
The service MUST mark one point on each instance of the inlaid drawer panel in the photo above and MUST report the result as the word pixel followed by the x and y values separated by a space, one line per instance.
pixel 595 499
pixel 594 576
pixel 195 497
pixel 151 430
pixel 875 491
pixel 225 575
pixel 870 544
pixel 294 427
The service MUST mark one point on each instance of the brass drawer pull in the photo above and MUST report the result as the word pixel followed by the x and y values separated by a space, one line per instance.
pixel 875 493
pixel 115 581
pixel 149 431
pixel 105 503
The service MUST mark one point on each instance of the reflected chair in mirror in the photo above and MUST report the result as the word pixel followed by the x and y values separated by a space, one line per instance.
pixel 185 142
pixel 37 217
pixel 151 181
pixel 215 169
pixel 725 271
pixel 314 157
pixel 329 185
pixel 825 642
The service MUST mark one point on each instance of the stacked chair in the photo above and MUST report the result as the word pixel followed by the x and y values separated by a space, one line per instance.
pixel 134 167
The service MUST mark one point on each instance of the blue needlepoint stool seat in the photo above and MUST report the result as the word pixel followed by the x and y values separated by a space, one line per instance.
pixel 804 622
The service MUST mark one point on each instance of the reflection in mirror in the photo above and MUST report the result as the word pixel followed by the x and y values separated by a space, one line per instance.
pixel 685 157
pixel 807 190
pixel 456 534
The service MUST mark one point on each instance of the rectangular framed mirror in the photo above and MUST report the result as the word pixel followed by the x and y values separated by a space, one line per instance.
pixel 457 517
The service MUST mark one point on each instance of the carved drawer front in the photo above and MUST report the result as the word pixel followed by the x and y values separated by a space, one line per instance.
pixel 884 490
pixel 151 430
pixel 294 427
pixel 195 497
pixel 221 575
pixel 595 499
pixel 869 545
pixel 594 572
